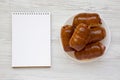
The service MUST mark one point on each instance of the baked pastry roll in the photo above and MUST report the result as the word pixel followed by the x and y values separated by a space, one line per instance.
pixel 80 37
pixel 92 50
pixel 66 33
pixel 97 33
pixel 87 18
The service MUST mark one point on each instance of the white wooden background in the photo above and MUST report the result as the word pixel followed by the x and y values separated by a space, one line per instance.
pixel 107 68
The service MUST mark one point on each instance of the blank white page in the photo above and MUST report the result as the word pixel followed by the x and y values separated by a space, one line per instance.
pixel 31 39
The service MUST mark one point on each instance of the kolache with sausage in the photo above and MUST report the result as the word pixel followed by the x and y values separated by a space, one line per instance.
pixel 84 36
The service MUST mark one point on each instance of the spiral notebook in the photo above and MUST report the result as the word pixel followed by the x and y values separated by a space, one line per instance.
pixel 31 39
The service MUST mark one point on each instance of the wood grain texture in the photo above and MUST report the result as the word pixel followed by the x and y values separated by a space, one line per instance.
pixel 107 68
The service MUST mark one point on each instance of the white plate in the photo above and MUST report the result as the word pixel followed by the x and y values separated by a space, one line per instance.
pixel 105 41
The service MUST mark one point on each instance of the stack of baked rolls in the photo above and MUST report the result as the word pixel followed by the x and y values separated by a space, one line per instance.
pixel 84 36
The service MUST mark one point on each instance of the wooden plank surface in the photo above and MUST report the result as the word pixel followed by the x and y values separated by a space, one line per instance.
pixel 107 68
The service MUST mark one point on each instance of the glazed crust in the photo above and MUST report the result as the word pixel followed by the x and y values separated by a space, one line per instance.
pixel 92 50
pixel 66 33
pixel 80 37
pixel 87 18
pixel 97 33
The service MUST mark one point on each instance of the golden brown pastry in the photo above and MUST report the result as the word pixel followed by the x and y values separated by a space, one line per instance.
pixel 90 51
pixel 66 33
pixel 87 18
pixel 80 37
pixel 97 33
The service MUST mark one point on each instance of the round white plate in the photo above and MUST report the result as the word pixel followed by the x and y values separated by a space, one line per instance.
pixel 105 41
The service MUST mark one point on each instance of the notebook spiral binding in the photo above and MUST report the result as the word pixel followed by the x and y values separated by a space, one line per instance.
pixel 30 13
